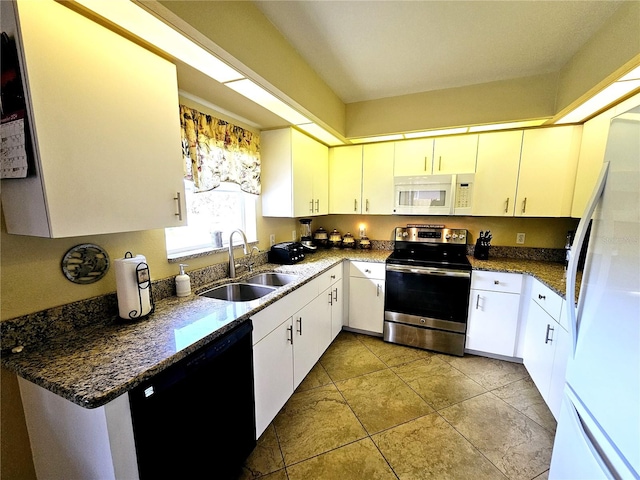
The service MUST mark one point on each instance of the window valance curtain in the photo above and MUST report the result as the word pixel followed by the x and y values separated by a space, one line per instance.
pixel 217 151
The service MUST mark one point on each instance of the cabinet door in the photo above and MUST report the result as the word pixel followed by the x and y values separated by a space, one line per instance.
pixel 366 304
pixel 455 154
pixel 345 179
pixel 337 306
pixel 494 190
pixel 108 148
pixel 493 322
pixel 272 374
pixel 377 179
pixel 303 159
pixel 413 157
pixel 547 172
pixel 539 347
pixel 320 179
pixel 309 333
pixel 558 372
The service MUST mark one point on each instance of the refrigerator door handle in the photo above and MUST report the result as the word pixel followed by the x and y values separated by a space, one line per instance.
pixel 572 268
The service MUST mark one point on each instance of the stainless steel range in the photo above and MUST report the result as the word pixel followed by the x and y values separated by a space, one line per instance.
pixel 428 278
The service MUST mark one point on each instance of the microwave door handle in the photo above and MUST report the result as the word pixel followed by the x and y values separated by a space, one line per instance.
pixel 454 181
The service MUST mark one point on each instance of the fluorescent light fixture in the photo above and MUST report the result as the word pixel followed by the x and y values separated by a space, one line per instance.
pixel 256 93
pixel 321 134
pixel 625 85
pixel 505 126
pixel 147 27
pixel 380 138
pixel 436 133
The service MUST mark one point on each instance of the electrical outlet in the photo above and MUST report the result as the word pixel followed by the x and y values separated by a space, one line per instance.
pixel 520 238
pixel 272 239
pixel 294 235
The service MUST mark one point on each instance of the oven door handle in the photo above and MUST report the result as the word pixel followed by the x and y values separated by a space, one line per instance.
pixel 440 272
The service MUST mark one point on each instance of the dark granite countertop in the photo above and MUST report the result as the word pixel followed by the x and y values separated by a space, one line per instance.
pixel 95 364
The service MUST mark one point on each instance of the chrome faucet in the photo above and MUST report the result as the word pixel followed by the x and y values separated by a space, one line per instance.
pixel 245 247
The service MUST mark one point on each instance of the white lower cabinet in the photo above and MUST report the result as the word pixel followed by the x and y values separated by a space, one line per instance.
pixel 366 296
pixel 547 345
pixel 273 373
pixel 494 311
pixel 289 336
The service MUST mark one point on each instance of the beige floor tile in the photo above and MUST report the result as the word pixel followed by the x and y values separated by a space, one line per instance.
pixel 429 448
pixel 543 476
pixel 356 461
pixel 265 458
pixel 525 397
pixel 314 422
pixel 488 372
pixel 438 382
pixel 346 359
pixel 513 442
pixel 381 400
pixel 392 354
pixel 317 377
pixel 279 475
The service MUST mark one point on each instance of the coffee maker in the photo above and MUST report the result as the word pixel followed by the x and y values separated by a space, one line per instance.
pixel 306 239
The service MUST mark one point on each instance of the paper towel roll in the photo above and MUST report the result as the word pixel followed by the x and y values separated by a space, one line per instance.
pixel 133 286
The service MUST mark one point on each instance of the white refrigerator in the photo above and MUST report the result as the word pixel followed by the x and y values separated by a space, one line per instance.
pixel 598 433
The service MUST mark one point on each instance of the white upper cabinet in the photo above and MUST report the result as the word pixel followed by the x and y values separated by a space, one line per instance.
pixel 377 179
pixel 547 171
pixel 413 157
pixel 361 179
pixel 104 115
pixel 345 179
pixel 456 154
pixel 497 173
pixel 294 174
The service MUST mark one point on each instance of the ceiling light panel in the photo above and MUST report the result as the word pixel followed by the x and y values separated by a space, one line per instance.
pixel 436 133
pixel 599 101
pixel 256 93
pixel 321 134
pixel 381 138
pixel 147 27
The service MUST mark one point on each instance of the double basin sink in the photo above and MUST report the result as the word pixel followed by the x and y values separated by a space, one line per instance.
pixel 251 288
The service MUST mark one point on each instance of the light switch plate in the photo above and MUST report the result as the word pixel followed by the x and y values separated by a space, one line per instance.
pixel 272 239
pixel 294 235
pixel 520 238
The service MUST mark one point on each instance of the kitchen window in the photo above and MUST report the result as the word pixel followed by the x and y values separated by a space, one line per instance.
pixel 222 209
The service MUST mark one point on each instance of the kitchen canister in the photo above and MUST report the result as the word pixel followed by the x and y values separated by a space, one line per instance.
pixel 133 287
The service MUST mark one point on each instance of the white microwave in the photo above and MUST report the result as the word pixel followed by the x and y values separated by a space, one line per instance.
pixel 434 194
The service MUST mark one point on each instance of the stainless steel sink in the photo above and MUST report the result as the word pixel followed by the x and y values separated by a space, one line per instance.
pixel 238 292
pixel 271 278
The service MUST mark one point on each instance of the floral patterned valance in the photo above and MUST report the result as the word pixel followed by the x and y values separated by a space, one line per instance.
pixel 217 151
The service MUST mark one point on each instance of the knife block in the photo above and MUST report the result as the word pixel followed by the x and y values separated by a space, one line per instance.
pixel 481 250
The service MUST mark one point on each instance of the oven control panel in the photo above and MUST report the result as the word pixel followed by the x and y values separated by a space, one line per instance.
pixel 457 236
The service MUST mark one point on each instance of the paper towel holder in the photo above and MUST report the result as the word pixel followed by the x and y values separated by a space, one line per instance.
pixel 143 279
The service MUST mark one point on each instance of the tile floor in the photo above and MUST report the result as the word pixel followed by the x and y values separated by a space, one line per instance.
pixel 372 410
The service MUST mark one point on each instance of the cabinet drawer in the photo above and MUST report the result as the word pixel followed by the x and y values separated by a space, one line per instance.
pixel 549 300
pixel 496 281
pixel 367 270
pixel 328 278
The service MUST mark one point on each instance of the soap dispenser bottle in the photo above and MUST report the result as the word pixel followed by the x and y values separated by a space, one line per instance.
pixel 183 282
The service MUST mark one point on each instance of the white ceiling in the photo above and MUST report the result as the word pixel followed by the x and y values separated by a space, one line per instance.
pixel 366 50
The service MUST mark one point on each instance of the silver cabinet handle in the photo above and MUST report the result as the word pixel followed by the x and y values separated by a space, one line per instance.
pixel 496 282
pixel 524 205
pixel 506 206
pixel 367 207
pixel 366 270
pixel 311 206
pixel 333 277
pixel 549 329
pixel 330 298
pixel 355 204
pixel 290 336
pixel 377 289
pixel 299 320
pixel 425 163
pixel 335 291
pixel 478 302
pixel 542 297
pixel 318 206
pixel 440 163
pixel 177 199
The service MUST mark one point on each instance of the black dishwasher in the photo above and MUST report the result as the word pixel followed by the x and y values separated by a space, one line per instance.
pixel 196 419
